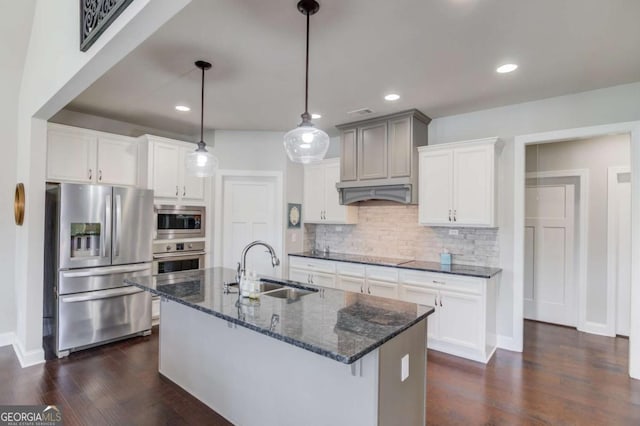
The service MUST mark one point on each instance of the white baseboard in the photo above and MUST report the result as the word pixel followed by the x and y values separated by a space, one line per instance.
pixel 28 358
pixel 600 329
pixel 508 343
pixel 7 339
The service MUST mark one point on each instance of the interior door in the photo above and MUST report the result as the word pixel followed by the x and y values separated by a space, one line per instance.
pixel 550 291
pixel 85 225
pixel 249 214
pixel 620 210
pixel 132 225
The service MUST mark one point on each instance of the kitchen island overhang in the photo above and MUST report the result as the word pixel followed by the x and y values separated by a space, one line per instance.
pixel 281 361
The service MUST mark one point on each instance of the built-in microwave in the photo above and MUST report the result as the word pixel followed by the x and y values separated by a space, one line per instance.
pixel 179 222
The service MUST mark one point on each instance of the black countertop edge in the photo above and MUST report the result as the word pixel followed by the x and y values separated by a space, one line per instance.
pixel 294 342
pixel 416 265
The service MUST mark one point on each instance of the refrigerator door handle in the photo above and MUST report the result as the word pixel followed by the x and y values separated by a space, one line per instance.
pixel 106 270
pixel 117 225
pixel 107 225
pixel 102 294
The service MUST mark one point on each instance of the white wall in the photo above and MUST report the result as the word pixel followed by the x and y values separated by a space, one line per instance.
pixel 603 106
pixel 15 28
pixel 595 155
pixel 55 72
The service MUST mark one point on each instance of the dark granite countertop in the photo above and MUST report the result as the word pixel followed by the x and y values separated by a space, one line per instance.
pixel 418 265
pixel 333 323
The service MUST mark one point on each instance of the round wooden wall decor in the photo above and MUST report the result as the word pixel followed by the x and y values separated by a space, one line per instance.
pixel 18 204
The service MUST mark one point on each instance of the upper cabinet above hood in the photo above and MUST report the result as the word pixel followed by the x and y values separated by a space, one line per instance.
pixel 379 158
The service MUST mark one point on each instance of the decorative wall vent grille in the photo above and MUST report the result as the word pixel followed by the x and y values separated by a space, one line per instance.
pixel 95 18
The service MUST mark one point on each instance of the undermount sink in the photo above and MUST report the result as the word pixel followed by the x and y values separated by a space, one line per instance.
pixel 264 286
pixel 288 293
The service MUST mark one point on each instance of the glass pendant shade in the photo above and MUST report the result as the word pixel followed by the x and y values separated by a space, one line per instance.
pixel 305 144
pixel 201 163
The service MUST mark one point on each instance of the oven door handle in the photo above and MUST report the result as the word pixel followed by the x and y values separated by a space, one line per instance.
pixel 102 294
pixel 171 255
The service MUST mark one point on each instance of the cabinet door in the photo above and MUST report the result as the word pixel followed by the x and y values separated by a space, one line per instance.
pixel 117 160
pixel 372 151
pixel 348 157
pixel 313 208
pixel 423 296
pixel 323 280
pixel 166 158
pixel 71 156
pixel 435 201
pixel 299 275
pixel 382 288
pixel 461 319
pixel 352 284
pixel 192 187
pixel 473 185
pixel 333 211
pixel 400 146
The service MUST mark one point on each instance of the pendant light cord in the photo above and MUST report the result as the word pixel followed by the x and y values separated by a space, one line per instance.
pixel 202 109
pixel 306 83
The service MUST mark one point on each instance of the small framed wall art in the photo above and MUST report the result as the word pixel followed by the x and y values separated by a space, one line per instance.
pixel 294 215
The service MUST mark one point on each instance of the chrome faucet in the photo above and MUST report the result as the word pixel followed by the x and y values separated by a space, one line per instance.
pixel 242 266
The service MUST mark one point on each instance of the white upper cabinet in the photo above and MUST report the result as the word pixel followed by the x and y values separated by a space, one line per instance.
pixel 117 160
pixel 321 201
pixel 88 156
pixel 167 174
pixel 458 184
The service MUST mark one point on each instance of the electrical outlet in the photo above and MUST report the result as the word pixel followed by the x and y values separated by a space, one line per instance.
pixel 404 368
pixel 453 232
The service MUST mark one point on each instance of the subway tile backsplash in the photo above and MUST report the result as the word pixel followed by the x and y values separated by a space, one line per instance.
pixel 392 230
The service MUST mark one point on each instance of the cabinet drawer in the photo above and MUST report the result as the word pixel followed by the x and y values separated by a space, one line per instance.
pixel 312 264
pixel 350 269
pixel 443 281
pixel 381 273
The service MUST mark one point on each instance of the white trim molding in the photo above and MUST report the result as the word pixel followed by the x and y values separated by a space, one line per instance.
pixel 612 226
pixel 27 358
pixel 583 236
pixel 520 143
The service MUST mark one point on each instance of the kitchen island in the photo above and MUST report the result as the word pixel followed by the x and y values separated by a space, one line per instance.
pixel 297 355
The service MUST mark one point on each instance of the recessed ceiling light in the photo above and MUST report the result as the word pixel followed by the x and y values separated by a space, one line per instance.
pixel 182 108
pixel 391 97
pixel 316 116
pixel 503 69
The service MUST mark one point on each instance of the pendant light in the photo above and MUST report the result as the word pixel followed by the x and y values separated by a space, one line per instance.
pixel 201 162
pixel 306 144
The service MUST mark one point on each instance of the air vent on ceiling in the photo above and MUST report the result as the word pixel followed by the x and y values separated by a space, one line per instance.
pixel 361 112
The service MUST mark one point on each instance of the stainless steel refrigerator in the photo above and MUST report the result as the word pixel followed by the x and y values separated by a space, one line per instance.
pixel 95 236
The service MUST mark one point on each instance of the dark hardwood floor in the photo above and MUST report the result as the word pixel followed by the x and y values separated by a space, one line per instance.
pixel 563 378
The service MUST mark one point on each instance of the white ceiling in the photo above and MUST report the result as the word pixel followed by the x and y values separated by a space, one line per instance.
pixel 439 55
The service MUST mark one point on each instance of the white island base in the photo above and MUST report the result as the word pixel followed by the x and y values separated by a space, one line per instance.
pixel 253 379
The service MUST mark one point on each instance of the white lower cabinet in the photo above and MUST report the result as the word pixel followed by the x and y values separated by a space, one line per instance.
pixel 464 321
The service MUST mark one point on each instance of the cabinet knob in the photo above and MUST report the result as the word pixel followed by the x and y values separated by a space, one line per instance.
pixel 454 216
pixel 177 190
pixel 100 175
pixel 90 174
pixel 184 191
pixel 361 288
pixel 368 289
pixel 449 215
pixel 441 301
